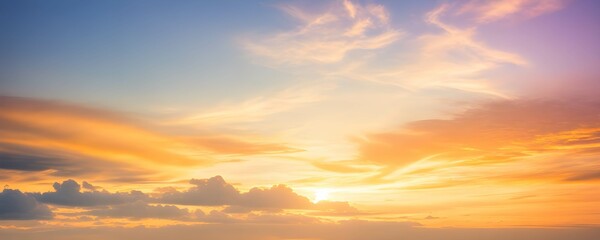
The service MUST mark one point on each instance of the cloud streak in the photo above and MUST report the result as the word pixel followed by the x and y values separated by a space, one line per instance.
pixel 489 11
pixel 35 139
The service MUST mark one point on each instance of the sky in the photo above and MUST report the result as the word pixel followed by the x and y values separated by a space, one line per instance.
pixel 291 119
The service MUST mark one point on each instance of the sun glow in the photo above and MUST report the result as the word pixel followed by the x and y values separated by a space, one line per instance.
pixel 321 194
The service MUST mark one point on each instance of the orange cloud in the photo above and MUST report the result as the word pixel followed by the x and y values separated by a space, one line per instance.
pixel 491 133
pixel 70 139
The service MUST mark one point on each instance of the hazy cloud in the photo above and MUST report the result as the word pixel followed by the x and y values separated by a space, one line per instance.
pixel 348 230
pixel 257 108
pixel 215 217
pixel 140 210
pixel 326 37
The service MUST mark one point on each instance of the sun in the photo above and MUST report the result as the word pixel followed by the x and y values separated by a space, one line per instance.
pixel 321 194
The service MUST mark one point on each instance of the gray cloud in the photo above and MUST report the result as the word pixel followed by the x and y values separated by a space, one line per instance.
pixel 89 186
pixel 216 192
pixel 15 205
pixel 69 194
pixel 28 162
pixel 55 162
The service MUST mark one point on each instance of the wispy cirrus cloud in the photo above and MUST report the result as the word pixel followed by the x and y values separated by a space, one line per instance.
pixel 257 108
pixel 488 11
pixel 452 58
pixel 326 37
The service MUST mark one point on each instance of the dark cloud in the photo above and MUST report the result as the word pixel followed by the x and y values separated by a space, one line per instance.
pixel 15 205
pixel 52 162
pixel 585 176
pixel 140 210
pixel 69 194
pixel 28 162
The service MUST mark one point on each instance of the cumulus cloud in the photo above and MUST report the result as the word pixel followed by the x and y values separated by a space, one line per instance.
pixel 216 191
pixel 15 205
pixel 89 186
pixel 207 192
pixel 213 192
pixel 68 193
pixel 278 197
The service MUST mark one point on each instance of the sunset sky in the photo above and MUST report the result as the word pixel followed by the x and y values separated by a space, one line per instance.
pixel 338 119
